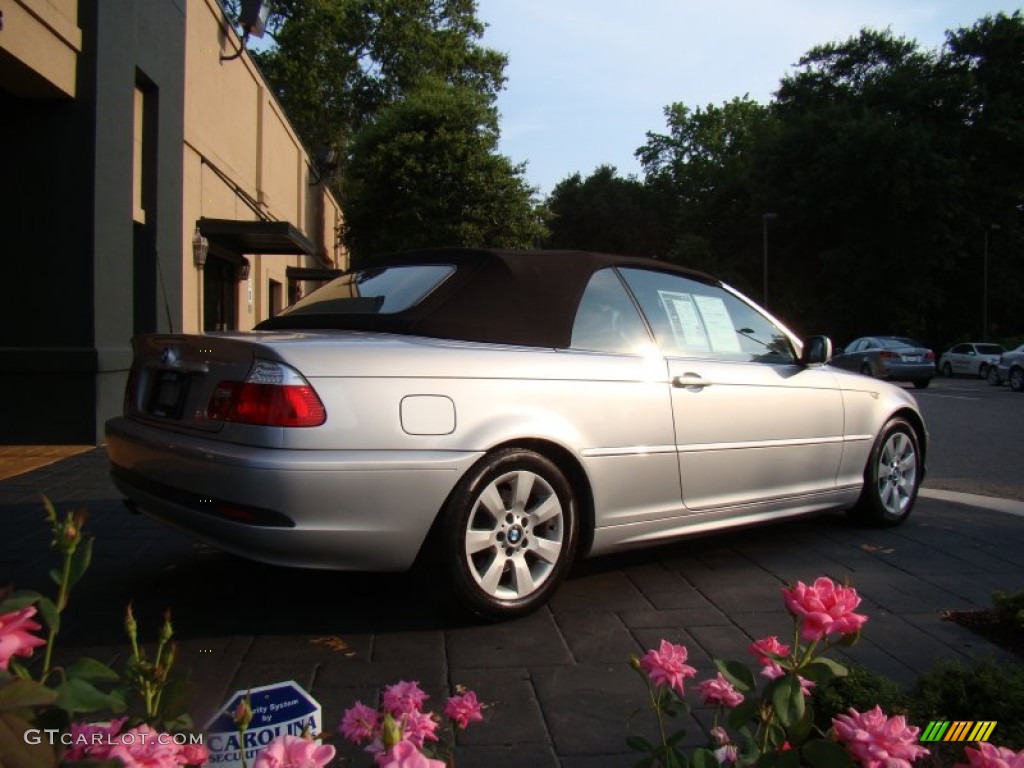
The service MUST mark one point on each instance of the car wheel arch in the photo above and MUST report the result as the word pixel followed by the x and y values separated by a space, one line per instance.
pixel 564 459
pixel 915 421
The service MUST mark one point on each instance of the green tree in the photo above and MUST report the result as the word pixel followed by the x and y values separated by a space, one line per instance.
pixel 704 168
pixel 868 175
pixel 404 91
pixel 426 172
pixel 607 213
pixel 986 61
pixel 336 63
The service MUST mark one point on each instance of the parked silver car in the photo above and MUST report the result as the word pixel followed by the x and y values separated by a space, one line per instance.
pixel 495 415
pixel 1009 368
pixel 894 358
pixel 970 358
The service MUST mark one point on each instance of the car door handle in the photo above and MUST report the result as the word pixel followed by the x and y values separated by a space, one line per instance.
pixel 690 381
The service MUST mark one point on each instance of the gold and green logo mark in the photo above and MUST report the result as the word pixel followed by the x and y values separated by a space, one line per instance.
pixel 958 730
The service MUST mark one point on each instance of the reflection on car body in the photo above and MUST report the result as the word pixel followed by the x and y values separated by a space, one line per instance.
pixel 495 415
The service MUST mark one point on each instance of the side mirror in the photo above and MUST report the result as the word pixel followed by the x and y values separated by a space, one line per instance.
pixel 817 350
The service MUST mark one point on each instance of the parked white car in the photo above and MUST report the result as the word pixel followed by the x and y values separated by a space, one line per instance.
pixel 1009 368
pixel 970 359
pixel 494 415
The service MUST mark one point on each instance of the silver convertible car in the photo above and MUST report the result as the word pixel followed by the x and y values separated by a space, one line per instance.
pixel 493 415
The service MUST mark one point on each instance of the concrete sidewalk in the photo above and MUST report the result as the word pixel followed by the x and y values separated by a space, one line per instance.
pixel 561 689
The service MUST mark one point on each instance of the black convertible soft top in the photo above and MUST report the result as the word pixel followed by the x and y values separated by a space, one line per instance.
pixel 506 297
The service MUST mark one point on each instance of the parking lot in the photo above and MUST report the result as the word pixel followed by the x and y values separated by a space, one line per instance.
pixel 559 682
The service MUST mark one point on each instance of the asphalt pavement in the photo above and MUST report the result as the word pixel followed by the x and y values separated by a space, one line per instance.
pixel 559 686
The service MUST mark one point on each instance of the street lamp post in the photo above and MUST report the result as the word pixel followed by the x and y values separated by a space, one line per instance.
pixel 984 284
pixel 765 218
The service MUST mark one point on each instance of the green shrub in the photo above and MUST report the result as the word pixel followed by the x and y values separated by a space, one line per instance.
pixel 1009 608
pixel 860 689
pixel 982 690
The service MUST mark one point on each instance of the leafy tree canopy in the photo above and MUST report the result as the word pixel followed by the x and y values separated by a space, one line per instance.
pixel 426 173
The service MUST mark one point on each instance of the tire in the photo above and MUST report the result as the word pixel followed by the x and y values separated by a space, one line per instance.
pixel 983 371
pixel 892 476
pixel 508 534
pixel 922 383
pixel 1017 379
pixel 947 370
pixel 993 377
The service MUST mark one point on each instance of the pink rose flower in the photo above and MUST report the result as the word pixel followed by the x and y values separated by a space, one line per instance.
pixel 727 754
pixel 990 756
pixel 143 747
pixel 403 697
pixel 824 608
pixel 193 754
pixel 464 709
pixel 15 639
pixel 718 690
pixel 294 752
pixel 404 755
pixel 359 723
pixel 93 740
pixel 667 666
pixel 877 741
pixel 720 736
pixel 418 727
pixel 767 648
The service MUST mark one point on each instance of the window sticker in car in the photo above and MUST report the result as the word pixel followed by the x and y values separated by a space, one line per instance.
pixel 718 323
pixel 687 327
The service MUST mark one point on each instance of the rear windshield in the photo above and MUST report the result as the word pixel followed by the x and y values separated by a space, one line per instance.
pixel 382 291
pixel 896 343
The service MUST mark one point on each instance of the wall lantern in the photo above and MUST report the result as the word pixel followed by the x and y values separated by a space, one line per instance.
pixel 200 246
pixel 243 270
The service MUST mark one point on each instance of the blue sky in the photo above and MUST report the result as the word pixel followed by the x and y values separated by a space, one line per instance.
pixel 587 79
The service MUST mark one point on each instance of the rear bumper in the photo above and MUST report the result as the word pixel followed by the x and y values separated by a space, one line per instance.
pixel 347 510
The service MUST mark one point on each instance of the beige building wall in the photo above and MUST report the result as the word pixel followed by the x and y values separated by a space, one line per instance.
pixel 41 39
pixel 243 161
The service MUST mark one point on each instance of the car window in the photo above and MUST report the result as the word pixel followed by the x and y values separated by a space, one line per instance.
pixel 990 349
pixel 898 343
pixel 858 345
pixel 378 291
pixel 961 349
pixel 607 319
pixel 694 319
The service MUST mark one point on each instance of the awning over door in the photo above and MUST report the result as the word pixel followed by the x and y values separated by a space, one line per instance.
pixel 255 236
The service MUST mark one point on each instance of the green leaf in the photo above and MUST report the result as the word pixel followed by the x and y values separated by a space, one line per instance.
pixel 746 711
pixel 737 673
pixel 788 700
pixel 638 743
pixel 18 694
pixel 850 639
pixel 823 669
pixel 18 600
pixel 50 614
pixel 797 734
pixel 822 753
pixel 55 576
pixel 77 695
pixel 16 752
pixel 90 669
pixel 704 758
pixel 80 560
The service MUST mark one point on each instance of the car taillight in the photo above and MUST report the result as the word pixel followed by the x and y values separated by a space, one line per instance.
pixel 272 395
pixel 887 354
pixel 929 355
